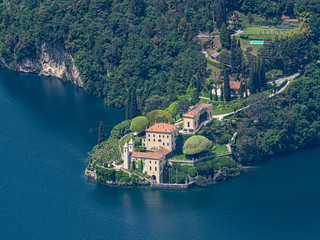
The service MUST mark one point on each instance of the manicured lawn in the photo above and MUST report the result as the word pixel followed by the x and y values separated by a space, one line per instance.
pixel 219 112
pixel 220 149
pixel 265 31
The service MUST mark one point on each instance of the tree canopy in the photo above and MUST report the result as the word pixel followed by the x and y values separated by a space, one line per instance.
pixel 197 144
pixel 139 124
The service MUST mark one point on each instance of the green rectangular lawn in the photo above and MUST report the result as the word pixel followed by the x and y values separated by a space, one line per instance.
pixel 219 112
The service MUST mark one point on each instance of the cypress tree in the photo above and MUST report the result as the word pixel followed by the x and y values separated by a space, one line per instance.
pixel 233 52
pixel 225 38
pixel 241 90
pixel 133 104
pixel 216 94
pixel 221 13
pixel 262 73
pixel 252 81
pixel 101 136
pixel 222 94
pixel 128 104
pixel 226 83
pixel 245 90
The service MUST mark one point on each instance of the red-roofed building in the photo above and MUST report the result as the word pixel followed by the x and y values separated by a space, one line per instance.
pixel 197 115
pixel 161 135
pixel 234 87
pixel 151 163
pixel 215 56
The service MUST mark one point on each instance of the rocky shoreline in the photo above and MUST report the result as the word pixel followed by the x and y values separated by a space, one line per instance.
pixel 52 61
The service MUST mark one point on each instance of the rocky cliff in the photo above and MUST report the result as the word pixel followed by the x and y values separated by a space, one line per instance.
pixel 54 62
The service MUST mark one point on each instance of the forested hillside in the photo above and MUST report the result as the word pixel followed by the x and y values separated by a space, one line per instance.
pixel 146 45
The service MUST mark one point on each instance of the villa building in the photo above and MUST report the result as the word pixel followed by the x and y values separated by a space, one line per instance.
pixel 161 135
pixel 197 115
pixel 160 140
pixel 234 87
pixel 151 163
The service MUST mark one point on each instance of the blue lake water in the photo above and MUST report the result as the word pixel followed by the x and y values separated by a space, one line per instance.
pixel 48 126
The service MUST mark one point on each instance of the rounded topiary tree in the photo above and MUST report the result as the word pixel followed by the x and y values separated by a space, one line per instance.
pixel 139 124
pixel 197 144
pixel 159 116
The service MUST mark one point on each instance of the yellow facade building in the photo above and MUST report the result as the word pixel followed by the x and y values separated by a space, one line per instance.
pixel 160 140
pixel 161 135
pixel 193 119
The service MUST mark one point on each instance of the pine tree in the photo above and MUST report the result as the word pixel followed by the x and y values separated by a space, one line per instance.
pixel 101 136
pixel 226 83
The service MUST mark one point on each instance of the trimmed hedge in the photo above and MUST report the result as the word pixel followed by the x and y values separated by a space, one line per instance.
pixel 197 144
pixel 159 116
pixel 139 124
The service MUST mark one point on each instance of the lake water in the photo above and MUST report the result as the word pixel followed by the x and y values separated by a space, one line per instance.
pixel 48 126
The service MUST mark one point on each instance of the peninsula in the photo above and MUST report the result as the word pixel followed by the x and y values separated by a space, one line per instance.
pixel 253 64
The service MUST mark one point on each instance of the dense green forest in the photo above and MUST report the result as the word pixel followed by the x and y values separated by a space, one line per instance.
pixel 146 45
pixel 287 123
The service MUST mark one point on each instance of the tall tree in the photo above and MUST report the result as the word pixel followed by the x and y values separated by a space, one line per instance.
pixel 241 90
pixel 226 86
pixel 128 104
pixel 133 104
pixel 236 56
pixel 221 93
pixel 225 38
pixel 194 96
pixel 215 94
pixel 221 13
pixel 101 136
pixel 253 80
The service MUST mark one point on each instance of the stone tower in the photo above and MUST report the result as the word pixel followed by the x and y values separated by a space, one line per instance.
pixel 131 145
pixel 126 156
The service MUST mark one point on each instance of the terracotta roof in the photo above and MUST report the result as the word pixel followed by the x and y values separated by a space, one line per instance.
pixel 163 128
pixel 233 85
pixel 158 154
pixel 215 54
pixel 195 111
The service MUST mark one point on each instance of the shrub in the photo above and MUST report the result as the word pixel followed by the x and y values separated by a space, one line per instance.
pixel 139 124
pixel 244 36
pixel 184 168
pixel 121 129
pixel 197 144
pixel 159 116
pixel 225 139
pixel 203 168
pixel 181 177
pixel 192 172
pixel 191 130
pixel 201 181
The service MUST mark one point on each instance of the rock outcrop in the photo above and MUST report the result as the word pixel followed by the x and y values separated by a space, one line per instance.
pixel 54 62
